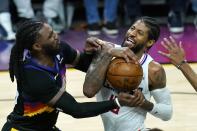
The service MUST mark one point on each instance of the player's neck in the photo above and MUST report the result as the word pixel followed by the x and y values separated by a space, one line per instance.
pixel 45 60
pixel 139 54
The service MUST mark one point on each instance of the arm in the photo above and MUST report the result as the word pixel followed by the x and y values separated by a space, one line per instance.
pixel 70 106
pixel 157 85
pixel 75 58
pixel 81 60
pixel 189 74
pixel 176 54
pixel 96 74
pixel 46 91
pixel 97 70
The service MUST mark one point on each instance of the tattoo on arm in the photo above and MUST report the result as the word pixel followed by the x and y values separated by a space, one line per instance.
pixel 96 73
pixel 158 79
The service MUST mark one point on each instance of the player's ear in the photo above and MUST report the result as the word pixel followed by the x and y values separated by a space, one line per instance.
pixel 36 46
pixel 150 43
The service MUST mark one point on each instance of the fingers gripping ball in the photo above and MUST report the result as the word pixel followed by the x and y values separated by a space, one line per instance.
pixel 124 76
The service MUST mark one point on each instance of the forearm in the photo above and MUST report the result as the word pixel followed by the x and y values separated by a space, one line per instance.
pixel 163 106
pixel 70 106
pixel 96 74
pixel 160 110
pixel 84 61
pixel 189 74
pixel 90 109
pixel 147 105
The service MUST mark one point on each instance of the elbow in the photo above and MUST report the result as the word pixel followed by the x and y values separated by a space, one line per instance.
pixel 195 86
pixel 76 116
pixel 167 118
pixel 88 94
pixel 88 91
pixel 168 115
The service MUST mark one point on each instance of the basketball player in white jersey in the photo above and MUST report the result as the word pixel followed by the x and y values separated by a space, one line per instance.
pixel 139 38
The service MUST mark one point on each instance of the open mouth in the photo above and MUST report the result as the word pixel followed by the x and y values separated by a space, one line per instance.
pixel 129 42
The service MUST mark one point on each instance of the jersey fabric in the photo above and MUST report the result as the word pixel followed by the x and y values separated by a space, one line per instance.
pixel 42 94
pixel 126 118
pixel 41 84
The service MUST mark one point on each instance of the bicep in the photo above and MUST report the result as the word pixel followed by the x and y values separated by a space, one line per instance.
pixel 84 62
pixel 157 76
pixel 69 53
pixel 79 60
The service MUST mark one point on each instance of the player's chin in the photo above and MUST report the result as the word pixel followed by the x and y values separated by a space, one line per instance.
pixel 57 44
pixel 128 44
pixel 58 47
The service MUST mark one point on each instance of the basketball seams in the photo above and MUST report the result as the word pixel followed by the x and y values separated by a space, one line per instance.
pixel 124 76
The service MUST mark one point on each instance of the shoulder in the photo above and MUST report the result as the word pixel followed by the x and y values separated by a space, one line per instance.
pixel 157 76
pixel 38 79
pixel 40 84
pixel 154 67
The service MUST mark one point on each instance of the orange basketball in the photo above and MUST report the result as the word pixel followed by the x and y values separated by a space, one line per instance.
pixel 124 76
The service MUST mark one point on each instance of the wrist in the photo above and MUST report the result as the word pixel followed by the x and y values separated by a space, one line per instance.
pixel 109 50
pixel 180 64
pixel 143 103
pixel 117 102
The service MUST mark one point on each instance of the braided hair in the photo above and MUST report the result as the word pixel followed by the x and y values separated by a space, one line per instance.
pixel 26 35
pixel 152 24
pixel 154 29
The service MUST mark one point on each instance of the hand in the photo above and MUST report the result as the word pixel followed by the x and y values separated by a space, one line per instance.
pixel 94 44
pixel 176 53
pixel 125 53
pixel 135 100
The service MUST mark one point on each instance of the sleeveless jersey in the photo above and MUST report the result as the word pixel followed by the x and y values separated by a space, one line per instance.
pixel 126 118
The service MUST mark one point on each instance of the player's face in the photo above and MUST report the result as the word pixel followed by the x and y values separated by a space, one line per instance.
pixel 49 40
pixel 136 37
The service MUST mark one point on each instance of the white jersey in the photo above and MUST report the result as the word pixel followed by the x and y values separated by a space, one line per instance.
pixel 126 118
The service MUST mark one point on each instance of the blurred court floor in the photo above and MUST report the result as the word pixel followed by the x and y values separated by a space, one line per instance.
pixel 184 100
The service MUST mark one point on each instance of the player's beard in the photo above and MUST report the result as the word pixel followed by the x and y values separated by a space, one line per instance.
pixel 136 48
pixel 51 50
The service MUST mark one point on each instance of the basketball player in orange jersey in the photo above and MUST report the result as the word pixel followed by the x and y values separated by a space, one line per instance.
pixel 139 38
pixel 176 54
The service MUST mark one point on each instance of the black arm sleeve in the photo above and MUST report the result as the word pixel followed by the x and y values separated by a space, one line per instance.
pixel 70 54
pixel 84 62
pixel 82 110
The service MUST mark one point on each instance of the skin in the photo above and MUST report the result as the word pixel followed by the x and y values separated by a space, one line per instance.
pixel 176 54
pixel 49 42
pixel 136 40
pixel 50 39
pixel 104 55
pixel 137 36
pixel 47 38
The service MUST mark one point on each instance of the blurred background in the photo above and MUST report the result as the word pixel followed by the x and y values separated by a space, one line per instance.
pixel 75 20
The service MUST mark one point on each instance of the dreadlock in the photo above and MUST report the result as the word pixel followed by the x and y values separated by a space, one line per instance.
pixel 26 35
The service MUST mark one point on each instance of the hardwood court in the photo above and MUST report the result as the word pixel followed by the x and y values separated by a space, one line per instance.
pixel 184 100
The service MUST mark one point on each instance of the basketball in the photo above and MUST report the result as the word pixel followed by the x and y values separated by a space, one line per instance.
pixel 124 76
